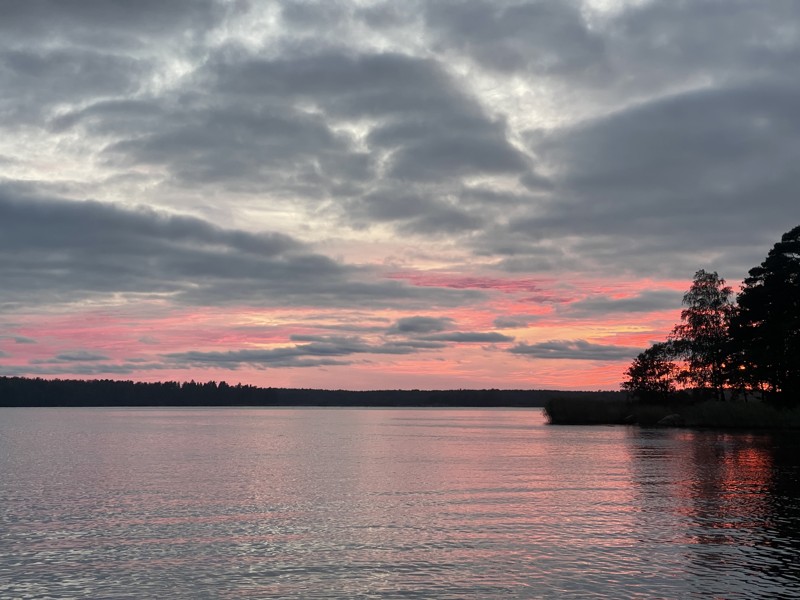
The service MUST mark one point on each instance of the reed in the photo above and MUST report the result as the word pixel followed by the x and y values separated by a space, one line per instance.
pixel 707 414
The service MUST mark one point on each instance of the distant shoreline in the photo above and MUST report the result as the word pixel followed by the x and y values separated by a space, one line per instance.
pixel 37 392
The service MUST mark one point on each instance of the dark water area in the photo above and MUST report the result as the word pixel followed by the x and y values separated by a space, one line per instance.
pixel 389 503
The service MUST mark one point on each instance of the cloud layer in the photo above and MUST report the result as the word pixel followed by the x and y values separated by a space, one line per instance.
pixel 424 192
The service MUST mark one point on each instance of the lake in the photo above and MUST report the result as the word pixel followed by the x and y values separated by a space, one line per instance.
pixel 385 503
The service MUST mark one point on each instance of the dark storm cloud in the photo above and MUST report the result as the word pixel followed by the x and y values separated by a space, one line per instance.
pixel 55 251
pixel 574 350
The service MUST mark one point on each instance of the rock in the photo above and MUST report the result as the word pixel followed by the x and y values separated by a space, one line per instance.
pixel 673 420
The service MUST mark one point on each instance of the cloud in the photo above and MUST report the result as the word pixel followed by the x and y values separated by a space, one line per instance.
pixel 37 81
pixel 575 350
pixel 385 158
pixel 512 322
pixel 683 173
pixel 80 356
pixel 18 339
pixel 434 330
pixel 80 369
pixel 469 337
pixel 543 38
pixel 91 20
pixel 647 301
pixel 412 213
pixel 319 351
pixel 374 137
pixel 420 324
pixel 54 249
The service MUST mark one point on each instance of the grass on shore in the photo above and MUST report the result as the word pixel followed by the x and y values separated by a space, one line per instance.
pixel 710 413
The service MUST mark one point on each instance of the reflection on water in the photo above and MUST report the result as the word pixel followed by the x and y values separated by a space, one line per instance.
pixel 311 503
pixel 731 501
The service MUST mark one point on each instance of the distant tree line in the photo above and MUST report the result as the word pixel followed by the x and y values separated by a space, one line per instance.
pixel 747 347
pixel 22 391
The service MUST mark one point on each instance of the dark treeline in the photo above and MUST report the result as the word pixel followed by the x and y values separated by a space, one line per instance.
pixel 725 348
pixel 21 391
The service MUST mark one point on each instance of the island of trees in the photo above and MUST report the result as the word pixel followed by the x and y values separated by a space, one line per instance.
pixel 731 361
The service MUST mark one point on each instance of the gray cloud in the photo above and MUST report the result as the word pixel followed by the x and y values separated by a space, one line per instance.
pixel 77 356
pixel 420 324
pixel 684 172
pixel 49 248
pixel 415 213
pixel 104 21
pixel 644 302
pixel 543 37
pixel 18 339
pixel 605 139
pixel 512 322
pixel 575 350
pixel 80 356
pixel 286 122
pixel 319 351
pixel 36 81
pixel 469 337
pixel 81 369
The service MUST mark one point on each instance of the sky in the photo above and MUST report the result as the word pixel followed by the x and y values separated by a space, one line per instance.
pixel 370 195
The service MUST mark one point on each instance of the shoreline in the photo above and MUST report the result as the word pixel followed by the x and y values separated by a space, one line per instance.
pixel 707 414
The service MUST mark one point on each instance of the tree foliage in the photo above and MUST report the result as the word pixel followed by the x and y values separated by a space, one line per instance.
pixel 766 327
pixel 753 345
pixel 652 374
pixel 701 339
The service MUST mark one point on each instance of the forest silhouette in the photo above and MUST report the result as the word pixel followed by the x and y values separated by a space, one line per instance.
pixel 726 349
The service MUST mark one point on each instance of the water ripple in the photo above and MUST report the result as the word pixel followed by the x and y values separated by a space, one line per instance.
pixel 388 504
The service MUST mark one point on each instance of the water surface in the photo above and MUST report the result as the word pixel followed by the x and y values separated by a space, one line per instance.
pixel 407 503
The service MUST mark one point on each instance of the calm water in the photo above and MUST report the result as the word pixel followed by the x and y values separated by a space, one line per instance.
pixel 313 503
